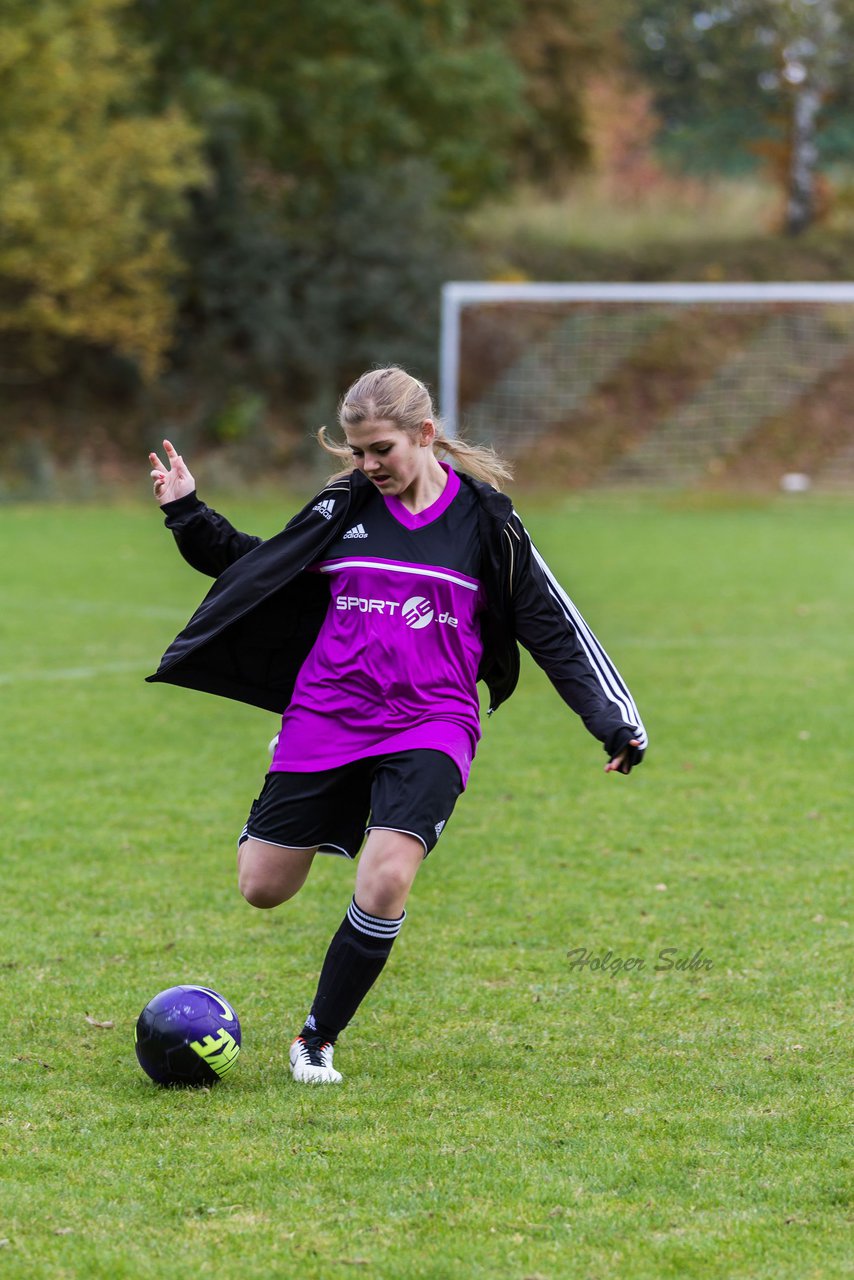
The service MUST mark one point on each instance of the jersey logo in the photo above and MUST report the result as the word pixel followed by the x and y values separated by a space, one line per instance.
pixel 417 612
pixel 358 531
pixel 440 826
pixel 325 507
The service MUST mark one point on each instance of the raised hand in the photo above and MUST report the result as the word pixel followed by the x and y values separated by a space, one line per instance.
pixel 172 482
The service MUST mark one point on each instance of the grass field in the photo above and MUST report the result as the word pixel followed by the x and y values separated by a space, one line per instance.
pixel 505 1113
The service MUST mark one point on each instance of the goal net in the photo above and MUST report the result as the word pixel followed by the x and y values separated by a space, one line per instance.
pixel 649 384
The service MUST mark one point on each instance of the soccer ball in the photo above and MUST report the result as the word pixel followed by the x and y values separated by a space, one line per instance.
pixel 187 1035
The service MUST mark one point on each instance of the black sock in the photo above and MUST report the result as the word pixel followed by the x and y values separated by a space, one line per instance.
pixel 353 963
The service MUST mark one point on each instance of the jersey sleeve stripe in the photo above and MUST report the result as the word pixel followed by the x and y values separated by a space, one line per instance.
pixel 604 669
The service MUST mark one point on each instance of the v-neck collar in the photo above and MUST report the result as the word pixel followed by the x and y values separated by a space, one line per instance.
pixel 417 520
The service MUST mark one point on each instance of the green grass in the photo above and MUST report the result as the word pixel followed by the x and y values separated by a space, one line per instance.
pixel 503 1114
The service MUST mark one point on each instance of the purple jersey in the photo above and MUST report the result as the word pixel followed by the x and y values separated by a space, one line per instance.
pixel 395 665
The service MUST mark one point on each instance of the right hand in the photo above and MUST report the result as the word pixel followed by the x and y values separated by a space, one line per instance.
pixel 620 763
pixel 174 482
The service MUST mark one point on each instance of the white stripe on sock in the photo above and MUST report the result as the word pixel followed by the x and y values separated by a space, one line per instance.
pixel 373 926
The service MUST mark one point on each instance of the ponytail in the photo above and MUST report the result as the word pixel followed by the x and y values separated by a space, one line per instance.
pixel 478 460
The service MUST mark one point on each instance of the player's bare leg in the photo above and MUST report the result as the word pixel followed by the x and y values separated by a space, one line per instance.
pixel 268 874
pixel 388 865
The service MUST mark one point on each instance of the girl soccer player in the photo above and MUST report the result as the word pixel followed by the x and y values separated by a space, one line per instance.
pixel 366 623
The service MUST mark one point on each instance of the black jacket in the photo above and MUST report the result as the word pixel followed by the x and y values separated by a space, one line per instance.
pixel 251 634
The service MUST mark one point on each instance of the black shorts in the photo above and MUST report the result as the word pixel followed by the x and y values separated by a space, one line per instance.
pixel 409 791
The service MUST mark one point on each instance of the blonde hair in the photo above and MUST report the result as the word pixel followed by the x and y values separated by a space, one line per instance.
pixel 393 395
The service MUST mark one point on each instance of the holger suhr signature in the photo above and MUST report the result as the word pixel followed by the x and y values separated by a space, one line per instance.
pixel 668 958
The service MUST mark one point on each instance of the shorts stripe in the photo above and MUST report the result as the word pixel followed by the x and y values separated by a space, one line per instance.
pixel 246 834
pixel 335 851
pixel 403 832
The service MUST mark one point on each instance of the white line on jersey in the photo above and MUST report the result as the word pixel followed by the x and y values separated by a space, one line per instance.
pixel 332 565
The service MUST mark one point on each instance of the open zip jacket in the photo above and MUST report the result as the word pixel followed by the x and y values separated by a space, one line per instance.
pixel 251 634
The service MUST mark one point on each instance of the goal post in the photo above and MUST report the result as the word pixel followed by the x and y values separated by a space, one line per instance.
pixel 644 383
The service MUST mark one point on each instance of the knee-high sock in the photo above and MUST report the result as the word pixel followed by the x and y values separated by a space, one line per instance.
pixel 353 963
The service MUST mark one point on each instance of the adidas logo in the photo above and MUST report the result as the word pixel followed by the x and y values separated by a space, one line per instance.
pixel 358 531
pixel 325 507
pixel 439 828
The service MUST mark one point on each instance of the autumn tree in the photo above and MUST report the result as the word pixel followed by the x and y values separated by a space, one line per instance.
pixel 751 75
pixel 343 139
pixel 559 46
pixel 90 187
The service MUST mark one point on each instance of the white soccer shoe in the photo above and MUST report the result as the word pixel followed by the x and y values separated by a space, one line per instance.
pixel 311 1061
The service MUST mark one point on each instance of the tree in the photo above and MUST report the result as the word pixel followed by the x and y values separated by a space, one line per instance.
pixel 813 58
pixel 558 45
pixel 299 306
pixel 745 65
pixel 349 88
pixel 90 186
pixel 342 139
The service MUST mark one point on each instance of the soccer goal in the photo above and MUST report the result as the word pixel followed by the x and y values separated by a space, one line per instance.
pixel 645 383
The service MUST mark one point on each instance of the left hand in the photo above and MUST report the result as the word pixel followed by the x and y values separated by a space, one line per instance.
pixel 176 482
pixel 618 764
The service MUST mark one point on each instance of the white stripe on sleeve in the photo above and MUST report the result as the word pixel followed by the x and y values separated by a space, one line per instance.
pixel 603 668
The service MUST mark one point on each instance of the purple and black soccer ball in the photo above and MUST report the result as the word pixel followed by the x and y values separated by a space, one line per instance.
pixel 187 1035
